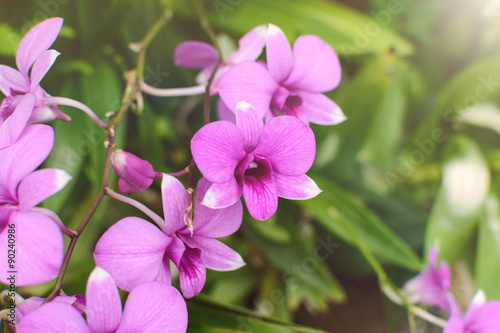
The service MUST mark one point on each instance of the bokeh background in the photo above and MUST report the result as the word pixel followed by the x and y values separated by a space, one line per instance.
pixel 415 165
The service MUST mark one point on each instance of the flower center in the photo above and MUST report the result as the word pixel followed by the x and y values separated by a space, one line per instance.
pixel 253 166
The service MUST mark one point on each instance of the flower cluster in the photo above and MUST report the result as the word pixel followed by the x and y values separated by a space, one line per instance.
pixel 263 152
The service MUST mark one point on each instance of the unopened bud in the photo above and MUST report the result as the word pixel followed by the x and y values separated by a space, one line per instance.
pixel 135 174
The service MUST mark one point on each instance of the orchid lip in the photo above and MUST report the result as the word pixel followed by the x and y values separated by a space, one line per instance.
pixel 253 166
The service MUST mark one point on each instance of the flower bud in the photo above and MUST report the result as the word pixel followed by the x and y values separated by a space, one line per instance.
pixel 135 174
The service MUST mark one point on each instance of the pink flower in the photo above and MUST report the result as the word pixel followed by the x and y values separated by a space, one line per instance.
pixel 134 251
pixel 431 286
pixel 200 55
pixel 135 174
pixel 260 162
pixel 481 317
pixel 38 238
pixel 150 307
pixel 33 53
pixel 293 82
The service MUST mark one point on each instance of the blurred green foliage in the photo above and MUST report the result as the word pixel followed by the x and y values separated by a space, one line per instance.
pixel 415 165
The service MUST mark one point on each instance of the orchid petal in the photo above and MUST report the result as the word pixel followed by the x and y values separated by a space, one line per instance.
pixel 288 144
pixel 132 252
pixel 33 303
pixel 192 273
pixel 250 45
pixel 39 248
pixel 37 41
pixel 25 155
pixel 42 66
pixel 175 202
pixel 14 125
pixel 260 193
pixel 295 187
pixel 40 185
pixel 483 319
pixel 215 223
pixel 175 250
pixel 316 66
pixel 104 307
pixel 53 317
pixel 222 195
pixel 320 109
pixel 278 53
pixel 249 123
pixel 11 79
pixel 160 308
pixel 215 254
pixel 195 54
pixel 225 113
pixel 217 149
pixel 454 325
pixel 249 82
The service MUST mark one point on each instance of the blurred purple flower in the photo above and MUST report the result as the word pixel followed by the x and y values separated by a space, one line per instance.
pixel 134 251
pixel 39 241
pixel 150 307
pixel 201 55
pixel 293 82
pixel 260 162
pixel 135 174
pixel 481 317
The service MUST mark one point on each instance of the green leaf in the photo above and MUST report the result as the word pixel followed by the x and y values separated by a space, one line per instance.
pixel 347 30
pixel 335 207
pixel 464 187
pixel 207 315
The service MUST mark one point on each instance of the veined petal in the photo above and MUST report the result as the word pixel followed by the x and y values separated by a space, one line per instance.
pixel 39 248
pixel 192 273
pixel 249 82
pixel 175 250
pixel 14 125
pixel 215 223
pixel 159 308
pixel 260 192
pixel 25 155
pixel 41 67
pixel 215 254
pixel 278 53
pixel 33 303
pixel 175 200
pixel 53 317
pixel 316 66
pixel 249 123
pixel 217 149
pixel 131 251
pixel 295 187
pixel 222 195
pixel 104 307
pixel 288 144
pixel 11 79
pixel 250 45
pixel 195 54
pixel 40 185
pixel 37 41
pixel 320 109
pixel 225 113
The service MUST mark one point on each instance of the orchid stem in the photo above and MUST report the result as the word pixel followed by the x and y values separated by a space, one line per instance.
pixel 173 92
pixel 56 218
pixel 155 217
pixel 78 105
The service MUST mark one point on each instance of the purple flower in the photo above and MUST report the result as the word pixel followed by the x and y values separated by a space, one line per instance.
pixel 33 53
pixel 481 317
pixel 135 174
pixel 38 238
pixel 150 307
pixel 260 162
pixel 431 286
pixel 293 82
pixel 134 251
pixel 200 55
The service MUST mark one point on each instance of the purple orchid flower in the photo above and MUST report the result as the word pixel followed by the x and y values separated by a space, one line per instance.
pixel 260 162
pixel 33 53
pixel 150 307
pixel 201 55
pixel 38 238
pixel 293 82
pixel 481 317
pixel 431 286
pixel 135 174
pixel 134 251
